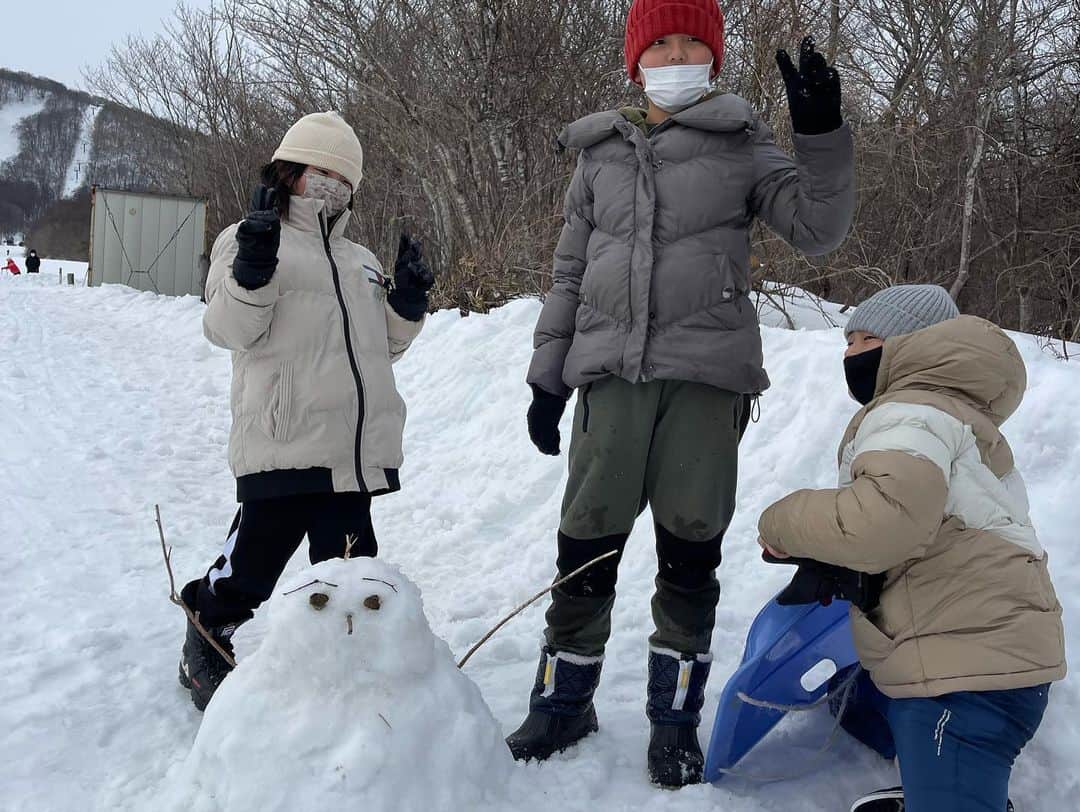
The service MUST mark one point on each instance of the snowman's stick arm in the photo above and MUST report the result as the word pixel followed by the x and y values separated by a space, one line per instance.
pixel 530 602
pixel 192 616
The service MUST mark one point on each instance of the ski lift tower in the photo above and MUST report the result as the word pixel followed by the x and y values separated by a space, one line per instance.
pixel 147 241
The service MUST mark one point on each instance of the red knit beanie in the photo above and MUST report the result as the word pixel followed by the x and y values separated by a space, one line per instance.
pixel 649 20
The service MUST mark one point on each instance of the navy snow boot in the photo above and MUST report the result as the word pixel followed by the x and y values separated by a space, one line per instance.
pixel 561 710
pixel 676 694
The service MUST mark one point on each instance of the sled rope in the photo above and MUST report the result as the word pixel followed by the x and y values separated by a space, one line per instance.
pixel 761 703
pixel 847 687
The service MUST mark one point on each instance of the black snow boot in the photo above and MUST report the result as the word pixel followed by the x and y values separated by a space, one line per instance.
pixel 202 668
pixel 676 694
pixel 890 800
pixel 561 710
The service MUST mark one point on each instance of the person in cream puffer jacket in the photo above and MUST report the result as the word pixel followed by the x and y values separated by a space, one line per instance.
pixel 967 633
pixel 314 326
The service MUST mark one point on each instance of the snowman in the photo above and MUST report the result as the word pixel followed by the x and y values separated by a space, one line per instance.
pixel 350 702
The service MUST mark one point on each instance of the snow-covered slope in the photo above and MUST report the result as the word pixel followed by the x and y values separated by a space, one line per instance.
pixel 112 401
pixel 10 116
pixel 80 159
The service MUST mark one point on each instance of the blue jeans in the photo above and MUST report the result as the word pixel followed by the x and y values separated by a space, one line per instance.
pixel 956 751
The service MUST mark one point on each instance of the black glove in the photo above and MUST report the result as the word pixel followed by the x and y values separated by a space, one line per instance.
pixel 412 281
pixel 813 91
pixel 815 582
pixel 258 238
pixel 544 414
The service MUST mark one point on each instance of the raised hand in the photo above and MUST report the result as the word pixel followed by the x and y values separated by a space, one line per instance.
pixel 410 270
pixel 412 280
pixel 258 237
pixel 813 90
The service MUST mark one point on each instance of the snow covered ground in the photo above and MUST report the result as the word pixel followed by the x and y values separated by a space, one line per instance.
pixel 112 401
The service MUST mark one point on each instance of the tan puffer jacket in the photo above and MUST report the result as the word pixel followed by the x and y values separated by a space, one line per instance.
pixel 929 495
pixel 314 404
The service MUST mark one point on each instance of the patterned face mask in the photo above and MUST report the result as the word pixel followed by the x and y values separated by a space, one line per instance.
pixel 333 193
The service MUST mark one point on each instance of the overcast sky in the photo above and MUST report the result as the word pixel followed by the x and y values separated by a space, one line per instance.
pixel 57 38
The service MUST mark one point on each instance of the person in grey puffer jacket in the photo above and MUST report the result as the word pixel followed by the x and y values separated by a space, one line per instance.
pixel 314 325
pixel 650 319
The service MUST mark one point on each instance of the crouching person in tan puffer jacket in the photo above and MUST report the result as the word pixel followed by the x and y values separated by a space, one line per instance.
pixel 967 633
pixel 314 326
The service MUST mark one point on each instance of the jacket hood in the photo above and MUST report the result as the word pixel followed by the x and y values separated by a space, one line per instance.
pixel 724 112
pixel 965 356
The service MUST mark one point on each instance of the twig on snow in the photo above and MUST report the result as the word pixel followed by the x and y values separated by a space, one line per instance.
pixel 192 616
pixel 305 586
pixel 530 602
pixel 380 581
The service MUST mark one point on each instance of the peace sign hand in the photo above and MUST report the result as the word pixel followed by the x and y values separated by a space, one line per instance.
pixel 813 90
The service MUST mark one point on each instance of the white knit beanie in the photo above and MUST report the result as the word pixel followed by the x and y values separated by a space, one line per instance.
pixel 902 309
pixel 326 141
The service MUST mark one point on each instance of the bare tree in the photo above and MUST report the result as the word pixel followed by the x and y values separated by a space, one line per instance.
pixel 965 116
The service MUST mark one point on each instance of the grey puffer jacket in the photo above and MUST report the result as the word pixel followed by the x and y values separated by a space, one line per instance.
pixel 651 273
pixel 314 404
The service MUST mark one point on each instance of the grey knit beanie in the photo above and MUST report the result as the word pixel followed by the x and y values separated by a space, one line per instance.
pixel 902 309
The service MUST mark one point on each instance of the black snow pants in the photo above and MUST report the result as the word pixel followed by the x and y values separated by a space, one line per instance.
pixel 263 537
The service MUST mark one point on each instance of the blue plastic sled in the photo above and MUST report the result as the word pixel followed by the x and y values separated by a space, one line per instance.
pixel 783 645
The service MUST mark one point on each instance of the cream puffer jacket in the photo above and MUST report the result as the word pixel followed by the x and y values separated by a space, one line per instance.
pixel 314 404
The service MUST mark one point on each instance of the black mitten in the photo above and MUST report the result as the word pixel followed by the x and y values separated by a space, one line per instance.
pixel 412 281
pixel 544 414
pixel 258 237
pixel 815 582
pixel 813 91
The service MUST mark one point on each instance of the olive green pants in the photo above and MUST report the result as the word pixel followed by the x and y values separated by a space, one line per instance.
pixel 671 445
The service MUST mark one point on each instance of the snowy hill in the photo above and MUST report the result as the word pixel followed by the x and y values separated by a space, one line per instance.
pixel 55 142
pixel 46 140
pixel 113 401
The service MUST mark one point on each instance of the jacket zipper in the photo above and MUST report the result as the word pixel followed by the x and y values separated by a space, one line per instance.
pixel 357 377
pixel 585 408
pixel 633 245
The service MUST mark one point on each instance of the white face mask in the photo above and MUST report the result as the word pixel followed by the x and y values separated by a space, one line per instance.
pixel 333 193
pixel 676 87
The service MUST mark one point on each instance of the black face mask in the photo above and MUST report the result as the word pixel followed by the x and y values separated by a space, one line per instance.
pixel 861 372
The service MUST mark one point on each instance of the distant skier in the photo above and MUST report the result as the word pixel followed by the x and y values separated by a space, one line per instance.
pixel 33 262
pixel 317 418
pixel 967 634
pixel 11 266
pixel 651 320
